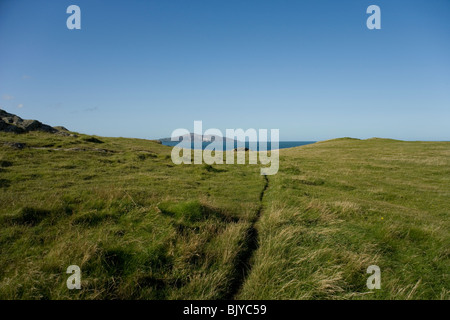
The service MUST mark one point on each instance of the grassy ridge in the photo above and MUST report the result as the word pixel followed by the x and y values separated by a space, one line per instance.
pixel 137 225
pixel 141 227
pixel 338 206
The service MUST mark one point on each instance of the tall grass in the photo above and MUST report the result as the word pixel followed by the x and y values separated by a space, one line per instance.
pixel 141 227
pixel 138 226
pixel 337 207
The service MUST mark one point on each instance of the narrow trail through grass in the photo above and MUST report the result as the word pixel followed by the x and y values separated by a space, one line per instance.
pixel 141 227
pixel 138 226
pixel 244 265
pixel 336 207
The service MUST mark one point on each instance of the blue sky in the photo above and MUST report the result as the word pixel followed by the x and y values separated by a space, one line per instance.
pixel 309 68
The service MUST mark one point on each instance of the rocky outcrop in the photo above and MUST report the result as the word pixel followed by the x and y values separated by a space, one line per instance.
pixel 15 145
pixel 6 127
pixel 61 128
pixel 12 123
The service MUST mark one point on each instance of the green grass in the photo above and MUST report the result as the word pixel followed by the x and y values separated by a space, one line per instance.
pixel 141 227
pixel 138 226
pixel 337 207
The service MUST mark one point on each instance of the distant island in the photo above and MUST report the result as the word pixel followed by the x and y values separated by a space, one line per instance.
pixel 198 137
pixel 228 143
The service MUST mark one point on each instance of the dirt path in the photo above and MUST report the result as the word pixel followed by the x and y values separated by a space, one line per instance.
pixel 243 265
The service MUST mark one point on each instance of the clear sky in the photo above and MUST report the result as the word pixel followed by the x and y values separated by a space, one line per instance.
pixel 309 68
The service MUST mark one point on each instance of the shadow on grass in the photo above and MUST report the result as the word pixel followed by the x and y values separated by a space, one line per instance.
pixel 4 183
pixel 193 211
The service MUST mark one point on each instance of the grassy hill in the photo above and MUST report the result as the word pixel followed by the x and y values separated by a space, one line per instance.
pixel 137 225
pixel 141 227
pixel 337 207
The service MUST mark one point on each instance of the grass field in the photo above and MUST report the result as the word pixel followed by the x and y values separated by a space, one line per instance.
pixel 141 227
pixel 337 207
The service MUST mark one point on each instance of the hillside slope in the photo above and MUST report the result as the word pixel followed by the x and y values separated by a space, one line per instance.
pixel 141 227
pixel 138 226
pixel 339 206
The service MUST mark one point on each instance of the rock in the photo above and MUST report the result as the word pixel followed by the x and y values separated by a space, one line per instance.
pixel 61 128
pixel 12 123
pixel 6 127
pixel 15 145
pixel 66 134
pixel 241 149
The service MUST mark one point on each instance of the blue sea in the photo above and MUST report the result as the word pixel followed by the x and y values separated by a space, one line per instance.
pixel 281 145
